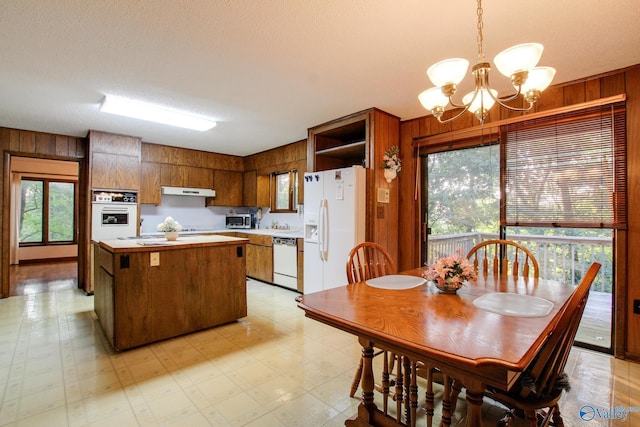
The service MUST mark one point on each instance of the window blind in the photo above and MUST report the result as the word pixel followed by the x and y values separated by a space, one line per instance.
pixel 566 170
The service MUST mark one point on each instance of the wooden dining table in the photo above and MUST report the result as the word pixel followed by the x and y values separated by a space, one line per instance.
pixel 477 345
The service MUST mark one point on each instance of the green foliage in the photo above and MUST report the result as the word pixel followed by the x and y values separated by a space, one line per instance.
pixel 60 213
pixel 464 189
pixel 31 215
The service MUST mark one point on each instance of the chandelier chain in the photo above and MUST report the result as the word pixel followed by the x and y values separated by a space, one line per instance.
pixel 480 25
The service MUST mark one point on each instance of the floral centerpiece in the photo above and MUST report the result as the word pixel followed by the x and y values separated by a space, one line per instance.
pixel 171 227
pixel 391 163
pixel 450 273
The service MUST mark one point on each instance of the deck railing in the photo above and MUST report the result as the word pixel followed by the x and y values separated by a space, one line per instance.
pixel 561 258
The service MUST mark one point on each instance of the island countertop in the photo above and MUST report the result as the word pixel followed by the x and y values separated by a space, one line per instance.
pixel 151 289
pixel 160 243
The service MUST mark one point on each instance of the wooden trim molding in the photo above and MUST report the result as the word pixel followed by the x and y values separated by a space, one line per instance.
pixel 493 128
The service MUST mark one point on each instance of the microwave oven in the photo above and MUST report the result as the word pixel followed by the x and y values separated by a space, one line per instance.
pixel 240 221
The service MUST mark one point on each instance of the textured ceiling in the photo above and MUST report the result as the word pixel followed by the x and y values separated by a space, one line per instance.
pixel 267 70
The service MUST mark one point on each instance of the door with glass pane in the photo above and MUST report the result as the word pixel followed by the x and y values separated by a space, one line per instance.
pixel 462 203
pixel 461 207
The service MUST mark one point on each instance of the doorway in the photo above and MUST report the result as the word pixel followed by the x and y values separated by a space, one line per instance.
pixel 43 224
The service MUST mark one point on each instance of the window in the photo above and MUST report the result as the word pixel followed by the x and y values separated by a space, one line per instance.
pixel 47 212
pixel 567 170
pixel 284 195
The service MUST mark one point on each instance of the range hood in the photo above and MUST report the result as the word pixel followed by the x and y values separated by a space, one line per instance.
pixel 185 191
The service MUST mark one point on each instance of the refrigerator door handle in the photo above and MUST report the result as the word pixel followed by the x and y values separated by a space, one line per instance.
pixel 320 226
pixel 323 230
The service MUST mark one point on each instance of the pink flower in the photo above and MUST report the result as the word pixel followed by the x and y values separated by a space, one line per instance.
pixel 454 269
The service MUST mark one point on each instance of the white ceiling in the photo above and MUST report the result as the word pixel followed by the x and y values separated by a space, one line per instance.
pixel 267 70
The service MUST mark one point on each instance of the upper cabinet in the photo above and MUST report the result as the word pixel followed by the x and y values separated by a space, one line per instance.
pixel 150 183
pixel 163 165
pixel 339 143
pixel 228 186
pixel 255 189
pixel 114 161
pixel 185 176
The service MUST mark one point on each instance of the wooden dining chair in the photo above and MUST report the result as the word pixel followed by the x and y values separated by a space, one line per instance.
pixel 365 261
pixel 542 384
pixel 496 255
pixel 368 260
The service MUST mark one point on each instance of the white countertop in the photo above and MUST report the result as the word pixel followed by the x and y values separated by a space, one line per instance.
pixel 262 231
pixel 155 243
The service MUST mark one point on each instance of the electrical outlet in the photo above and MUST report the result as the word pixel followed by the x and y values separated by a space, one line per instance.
pixel 155 259
pixel 380 212
pixel 636 306
pixel 383 195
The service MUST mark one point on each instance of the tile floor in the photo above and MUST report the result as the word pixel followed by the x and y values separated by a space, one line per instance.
pixel 272 368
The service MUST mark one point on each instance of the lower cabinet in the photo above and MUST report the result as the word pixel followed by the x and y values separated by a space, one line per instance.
pixel 260 257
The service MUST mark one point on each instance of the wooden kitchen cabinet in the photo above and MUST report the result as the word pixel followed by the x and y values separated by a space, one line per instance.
pixel 114 161
pixel 185 176
pixel 249 188
pixel 198 177
pixel 260 257
pixel 150 183
pixel 113 171
pixel 229 188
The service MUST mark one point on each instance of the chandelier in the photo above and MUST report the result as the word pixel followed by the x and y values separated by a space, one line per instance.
pixel 517 62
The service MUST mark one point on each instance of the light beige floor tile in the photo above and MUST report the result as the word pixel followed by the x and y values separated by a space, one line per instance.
pixel 253 374
pixel 41 382
pixel 8 411
pixel 269 420
pixel 195 419
pixel 56 417
pixel 240 409
pixel 304 410
pixel 148 369
pixel 105 405
pixel 277 391
pixel 155 388
pixel 208 392
pixel 189 375
pixel 46 400
pixel 123 418
pixel 170 408
pixel 99 384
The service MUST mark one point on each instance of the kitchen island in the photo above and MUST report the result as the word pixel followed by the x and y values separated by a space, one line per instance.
pixel 148 290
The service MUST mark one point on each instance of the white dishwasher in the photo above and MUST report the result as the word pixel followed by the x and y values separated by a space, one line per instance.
pixel 285 262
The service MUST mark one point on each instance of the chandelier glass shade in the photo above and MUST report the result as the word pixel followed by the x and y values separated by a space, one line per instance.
pixel 518 63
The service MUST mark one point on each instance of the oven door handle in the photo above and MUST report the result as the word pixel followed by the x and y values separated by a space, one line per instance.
pixel 114 210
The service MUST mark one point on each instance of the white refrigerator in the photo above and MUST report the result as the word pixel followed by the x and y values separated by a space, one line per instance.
pixel 334 222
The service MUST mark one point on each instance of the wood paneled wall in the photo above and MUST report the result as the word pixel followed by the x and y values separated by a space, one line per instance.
pixel 42 145
pixel 382 217
pixel 627 81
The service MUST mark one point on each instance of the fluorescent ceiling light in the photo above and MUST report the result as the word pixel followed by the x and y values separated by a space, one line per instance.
pixel 154 113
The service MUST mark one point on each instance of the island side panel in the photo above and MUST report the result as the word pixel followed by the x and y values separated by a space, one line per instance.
pixel 192 288
pixel 103 291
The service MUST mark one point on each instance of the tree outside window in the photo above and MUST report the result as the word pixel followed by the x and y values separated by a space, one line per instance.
pixel 47 212
pixel 285 191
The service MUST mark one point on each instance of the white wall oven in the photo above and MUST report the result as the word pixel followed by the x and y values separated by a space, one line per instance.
pixel 113 214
